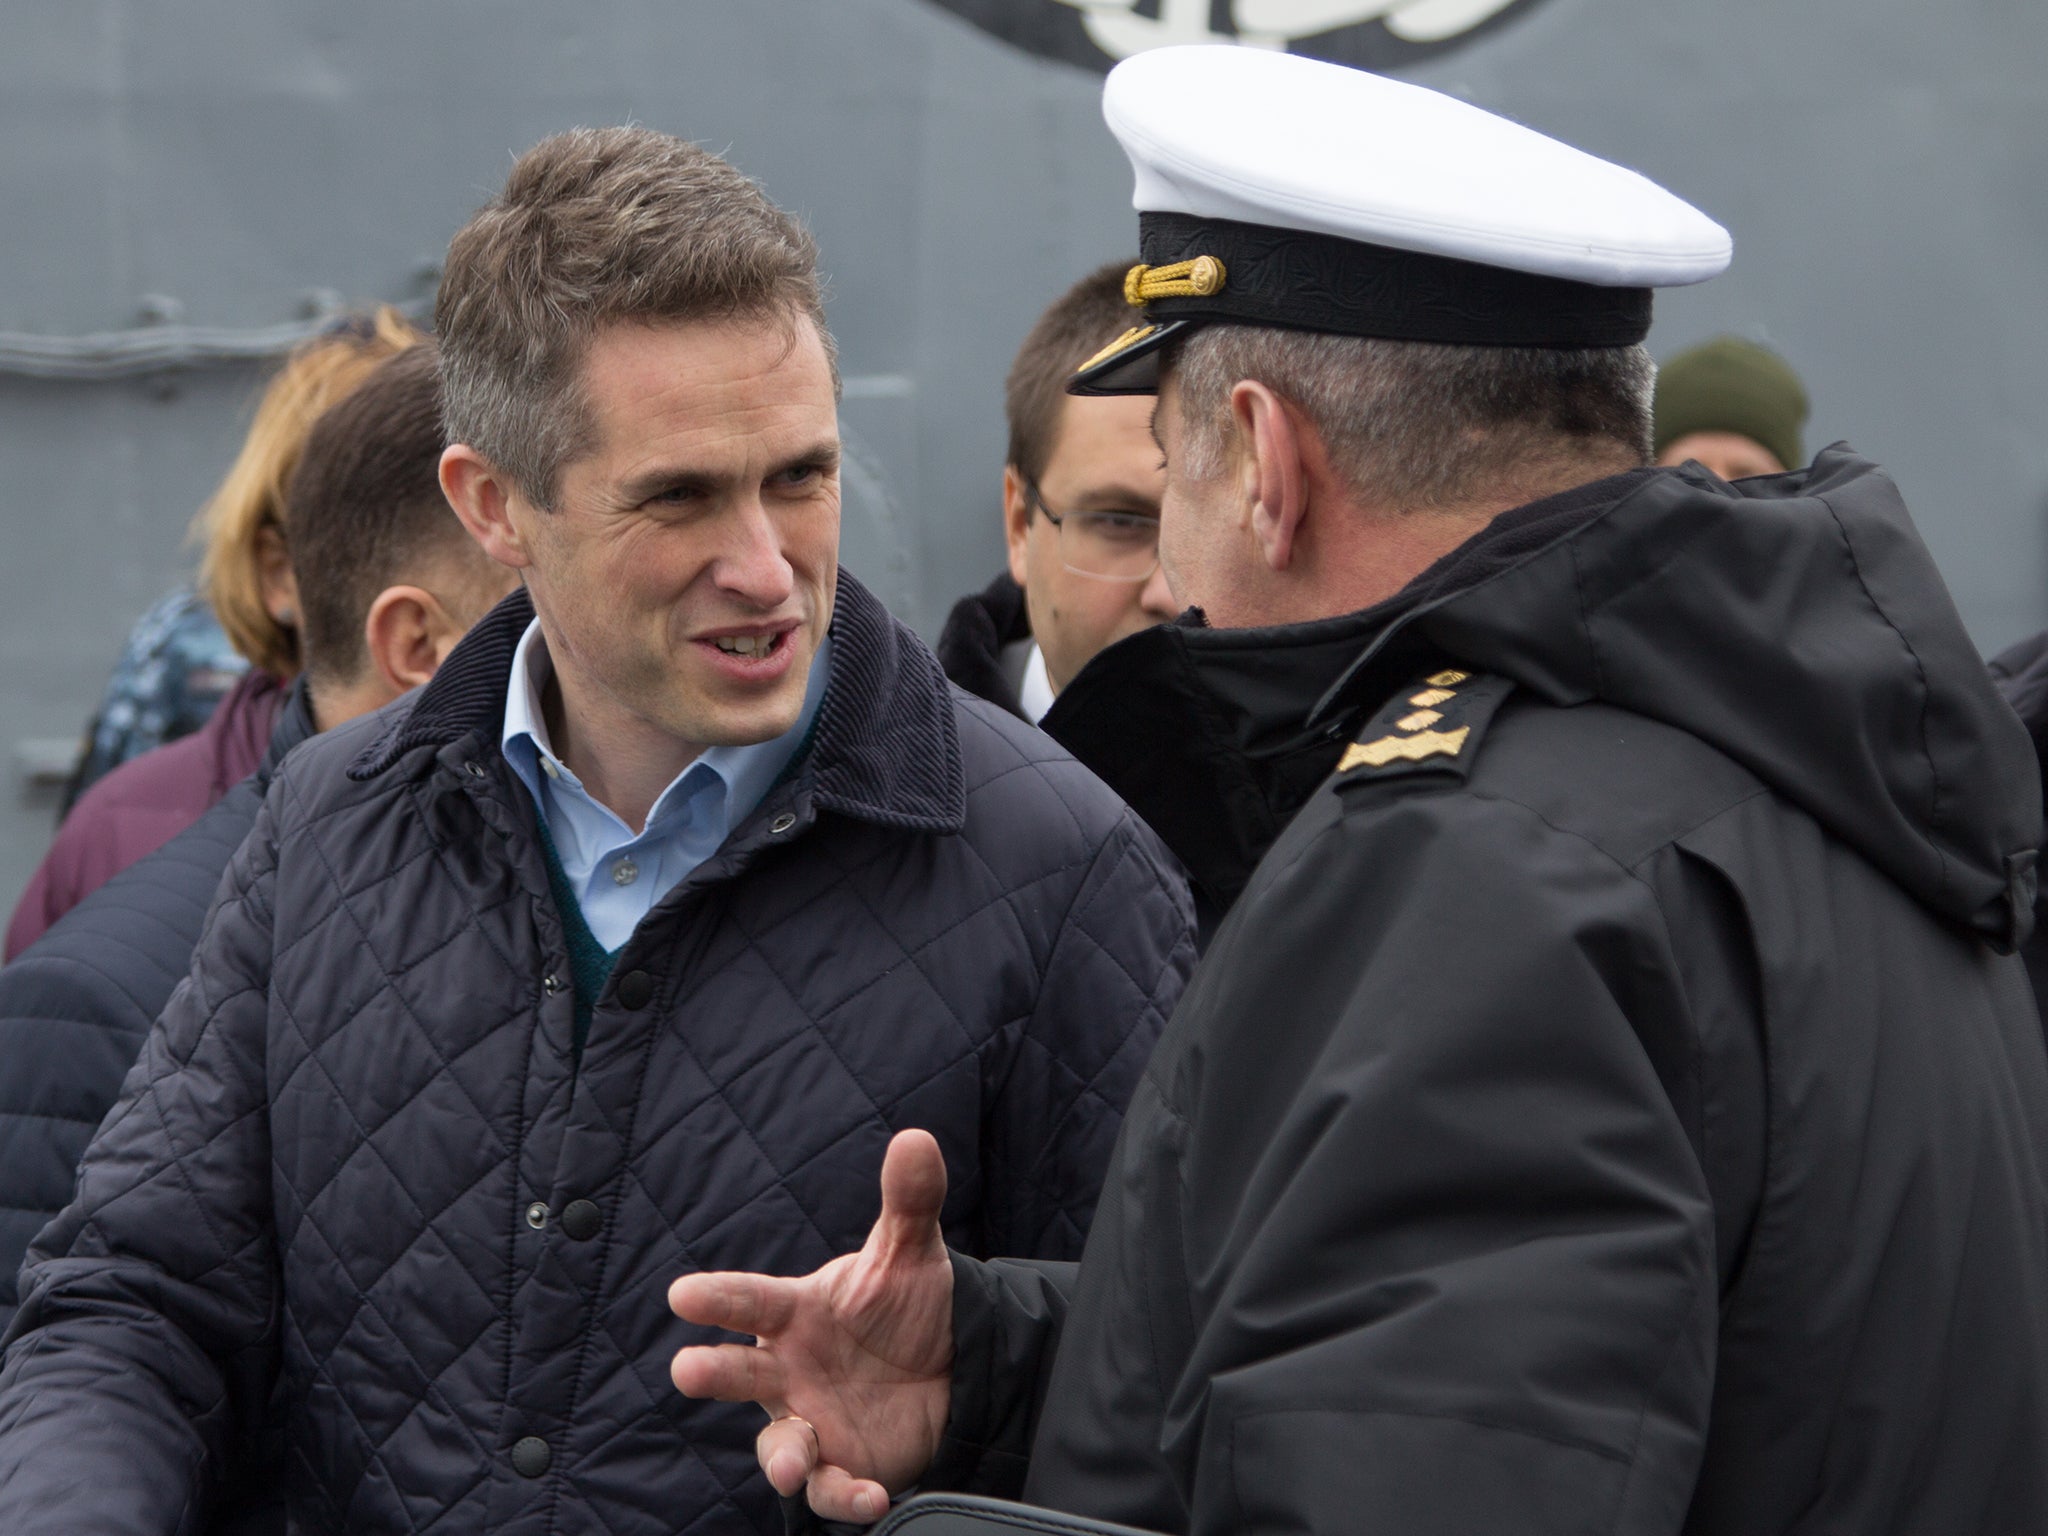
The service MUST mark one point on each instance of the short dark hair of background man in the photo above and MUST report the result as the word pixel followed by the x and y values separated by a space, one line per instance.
pixel 1732 405
pixel 388 582
pixel 417 1147
pixel 394 579
pixel 1080 517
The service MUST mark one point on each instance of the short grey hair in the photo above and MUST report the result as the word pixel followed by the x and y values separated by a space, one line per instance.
pixel 600 226
pixel 1420 424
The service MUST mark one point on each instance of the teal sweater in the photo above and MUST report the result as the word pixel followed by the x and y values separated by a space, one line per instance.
pixel 590 963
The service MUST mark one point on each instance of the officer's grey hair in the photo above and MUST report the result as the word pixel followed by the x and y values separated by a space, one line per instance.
pixel 600 226
pixel 1421 425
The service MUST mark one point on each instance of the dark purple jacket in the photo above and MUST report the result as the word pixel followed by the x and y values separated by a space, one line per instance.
pixel 141 805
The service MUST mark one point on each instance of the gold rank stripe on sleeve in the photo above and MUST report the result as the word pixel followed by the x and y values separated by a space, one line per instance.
pixel 1434 723
pixel 1388 749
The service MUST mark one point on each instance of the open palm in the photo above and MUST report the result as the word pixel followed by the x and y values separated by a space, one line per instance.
pixel 852 1362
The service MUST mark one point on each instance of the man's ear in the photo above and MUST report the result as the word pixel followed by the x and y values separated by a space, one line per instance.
pixel 1016 520
pixel 1274 449
pixel 482 495
pixel 408 634
pixel 275 578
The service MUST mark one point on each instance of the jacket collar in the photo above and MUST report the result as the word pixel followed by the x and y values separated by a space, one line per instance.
pixel 978 630
pixel 886 748
pixel 1216 737
pixel 294 725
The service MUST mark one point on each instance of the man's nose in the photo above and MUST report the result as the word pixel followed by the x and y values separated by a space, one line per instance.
pixel 754 565
pixel 1157 599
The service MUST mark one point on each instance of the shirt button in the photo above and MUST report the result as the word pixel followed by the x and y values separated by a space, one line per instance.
pixel 625 872
pixel 581 1219
pixel 547 766
pixel 537 1215
pixel 531 1456
pixel 634 990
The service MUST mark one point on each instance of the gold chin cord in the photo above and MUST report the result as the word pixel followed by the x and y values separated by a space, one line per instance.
pixel 1193 279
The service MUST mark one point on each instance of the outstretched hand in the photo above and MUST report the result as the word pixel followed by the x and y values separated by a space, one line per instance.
pixel 854 1361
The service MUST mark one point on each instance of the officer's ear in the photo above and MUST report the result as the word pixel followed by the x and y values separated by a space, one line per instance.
pixel 1278 458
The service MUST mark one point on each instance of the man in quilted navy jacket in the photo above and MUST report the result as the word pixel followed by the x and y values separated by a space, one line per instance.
pixel 616 952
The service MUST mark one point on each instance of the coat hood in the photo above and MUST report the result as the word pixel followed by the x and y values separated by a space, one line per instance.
pixel 1797 623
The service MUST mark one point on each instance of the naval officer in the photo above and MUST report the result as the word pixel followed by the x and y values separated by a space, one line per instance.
pixel 1611 1103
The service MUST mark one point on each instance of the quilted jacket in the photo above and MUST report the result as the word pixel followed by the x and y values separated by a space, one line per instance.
pixel 75 1007
pixel 357 1157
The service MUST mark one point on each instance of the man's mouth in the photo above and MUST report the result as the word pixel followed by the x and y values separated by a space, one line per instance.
pixel 765 649
pixel 749 645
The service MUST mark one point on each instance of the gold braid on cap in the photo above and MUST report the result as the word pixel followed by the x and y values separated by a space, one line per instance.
pixel 1134 335
pixel 1195 279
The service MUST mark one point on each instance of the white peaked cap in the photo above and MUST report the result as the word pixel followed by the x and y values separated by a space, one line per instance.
pixel 1424 217
pixel 1274 138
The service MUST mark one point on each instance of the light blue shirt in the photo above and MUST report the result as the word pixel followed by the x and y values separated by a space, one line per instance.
pixel 616 873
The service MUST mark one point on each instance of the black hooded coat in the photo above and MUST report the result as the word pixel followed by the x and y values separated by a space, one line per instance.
pixel 2022 676
pixel 1610 1105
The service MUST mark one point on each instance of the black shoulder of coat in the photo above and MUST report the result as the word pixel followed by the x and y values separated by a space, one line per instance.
pixel 1627 784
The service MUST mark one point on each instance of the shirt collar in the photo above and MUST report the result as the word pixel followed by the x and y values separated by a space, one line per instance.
pixel 745 773
pixel 1034 693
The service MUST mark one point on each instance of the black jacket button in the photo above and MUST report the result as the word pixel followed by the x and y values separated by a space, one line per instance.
pixel 581 1219
pixel 634 989
pixel 531 1456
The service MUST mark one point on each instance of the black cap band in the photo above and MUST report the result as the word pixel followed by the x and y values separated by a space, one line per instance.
pixel 1309 282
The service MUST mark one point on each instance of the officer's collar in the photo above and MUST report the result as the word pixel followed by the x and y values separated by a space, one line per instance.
pixel 1216 737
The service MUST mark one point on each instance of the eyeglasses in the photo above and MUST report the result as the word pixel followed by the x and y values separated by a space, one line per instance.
pixel 1108 546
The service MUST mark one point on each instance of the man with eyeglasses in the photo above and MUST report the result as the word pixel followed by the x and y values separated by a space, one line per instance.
pixel 1080 516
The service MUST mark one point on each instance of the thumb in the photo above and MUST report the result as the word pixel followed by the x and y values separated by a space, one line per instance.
pixel 913 1192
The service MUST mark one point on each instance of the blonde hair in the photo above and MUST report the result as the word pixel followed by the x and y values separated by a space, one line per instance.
pixel 251 497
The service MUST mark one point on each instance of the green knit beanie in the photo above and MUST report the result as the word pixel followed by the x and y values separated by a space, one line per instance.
pixel 1732 385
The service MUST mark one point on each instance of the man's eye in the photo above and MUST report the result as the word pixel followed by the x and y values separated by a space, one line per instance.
pixel 799 474
pixel 1122 527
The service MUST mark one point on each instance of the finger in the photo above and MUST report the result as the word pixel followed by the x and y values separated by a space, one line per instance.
pixel 837 1494
pixel 788 1452
pixel 730 1373
pixel 756 1304
pixel 913 1191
